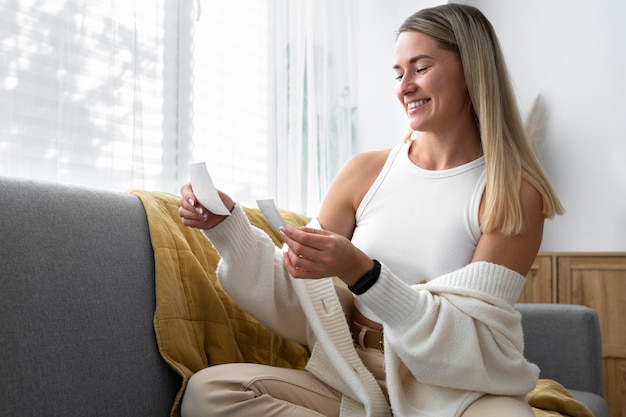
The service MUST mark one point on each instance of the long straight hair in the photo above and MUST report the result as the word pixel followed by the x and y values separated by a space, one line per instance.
pixel 509 157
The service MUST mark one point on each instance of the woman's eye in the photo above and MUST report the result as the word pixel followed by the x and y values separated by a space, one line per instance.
pixel 417 71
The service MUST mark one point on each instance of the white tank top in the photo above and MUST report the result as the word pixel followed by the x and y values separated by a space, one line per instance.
pixel 420 223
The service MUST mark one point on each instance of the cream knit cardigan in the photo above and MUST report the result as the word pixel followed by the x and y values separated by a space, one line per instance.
pixel 447 342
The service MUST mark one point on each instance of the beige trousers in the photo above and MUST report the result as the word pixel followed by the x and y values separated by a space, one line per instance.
pixel 250 390
pixel 245 390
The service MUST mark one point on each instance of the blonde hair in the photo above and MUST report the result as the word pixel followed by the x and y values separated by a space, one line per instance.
pixel 509 157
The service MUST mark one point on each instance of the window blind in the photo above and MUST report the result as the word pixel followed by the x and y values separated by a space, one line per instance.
pixel 83 92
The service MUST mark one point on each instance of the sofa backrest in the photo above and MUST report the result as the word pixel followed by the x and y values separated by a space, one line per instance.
pixel 77 304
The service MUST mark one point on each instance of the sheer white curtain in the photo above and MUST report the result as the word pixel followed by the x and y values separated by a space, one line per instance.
pixel 313 97
pixel 228 93
pixel 124 94
pixel 82 92
pixel 273 96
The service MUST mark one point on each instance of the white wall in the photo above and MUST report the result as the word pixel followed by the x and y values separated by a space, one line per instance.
pixel 381 120
pixel 570 52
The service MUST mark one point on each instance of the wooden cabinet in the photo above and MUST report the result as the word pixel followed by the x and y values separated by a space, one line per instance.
pixel 600 282
pixel 540 287
pixel 596 280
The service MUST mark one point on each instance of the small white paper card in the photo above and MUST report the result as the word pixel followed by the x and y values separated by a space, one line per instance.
pixel 205 191
pixel 271 213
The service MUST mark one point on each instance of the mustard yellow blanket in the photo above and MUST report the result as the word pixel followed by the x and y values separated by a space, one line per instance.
pixel 197 325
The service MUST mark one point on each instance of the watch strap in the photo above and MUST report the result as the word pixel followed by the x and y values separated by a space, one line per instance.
pixel 366 281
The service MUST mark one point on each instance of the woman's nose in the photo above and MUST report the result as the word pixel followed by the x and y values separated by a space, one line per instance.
pixel 406 86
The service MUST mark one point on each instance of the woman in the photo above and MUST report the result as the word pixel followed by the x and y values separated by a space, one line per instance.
pixel 432 237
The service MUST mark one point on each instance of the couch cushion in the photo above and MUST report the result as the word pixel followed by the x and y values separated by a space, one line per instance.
pixel 77 304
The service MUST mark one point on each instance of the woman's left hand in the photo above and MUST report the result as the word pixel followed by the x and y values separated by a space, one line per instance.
pixel 317 253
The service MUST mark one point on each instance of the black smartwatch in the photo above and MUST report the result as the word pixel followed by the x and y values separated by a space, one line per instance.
pixel 367 280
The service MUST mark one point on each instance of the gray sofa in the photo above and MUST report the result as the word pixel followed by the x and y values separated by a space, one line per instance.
pixel 77 303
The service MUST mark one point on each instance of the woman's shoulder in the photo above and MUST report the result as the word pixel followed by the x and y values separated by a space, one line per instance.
pixel 361 170
pixel 348 189
pixel 372 161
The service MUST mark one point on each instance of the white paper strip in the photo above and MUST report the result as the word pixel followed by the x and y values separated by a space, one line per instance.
pixel 205 191
pixel 271 213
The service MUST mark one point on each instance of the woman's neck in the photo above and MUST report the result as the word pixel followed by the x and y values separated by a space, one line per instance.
pixel 436 152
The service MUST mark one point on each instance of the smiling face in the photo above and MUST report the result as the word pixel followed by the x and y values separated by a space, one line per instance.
pixel 431 85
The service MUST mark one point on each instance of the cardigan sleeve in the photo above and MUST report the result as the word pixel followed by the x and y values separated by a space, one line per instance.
pixel 459 330
pixel 251 271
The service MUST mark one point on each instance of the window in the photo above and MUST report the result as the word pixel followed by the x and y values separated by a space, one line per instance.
pixel 82 93
pixel 272 97
pixel 123 94
pixel 230 96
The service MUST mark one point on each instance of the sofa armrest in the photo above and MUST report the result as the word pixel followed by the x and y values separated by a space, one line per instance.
pixel 77 305
pixel 564 341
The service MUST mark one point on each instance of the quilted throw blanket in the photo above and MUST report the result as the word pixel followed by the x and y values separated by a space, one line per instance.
pixel 197 325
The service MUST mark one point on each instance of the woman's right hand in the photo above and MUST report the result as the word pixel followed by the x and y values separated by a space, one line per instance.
pixel 193 214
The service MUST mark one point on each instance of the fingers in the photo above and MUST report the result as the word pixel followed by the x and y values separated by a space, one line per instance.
pixel 305 237
pixel 311 252
pixel 193 213
pixel 189 208
pixel 187 200
pixel 299 266
pixel 294 259
pixel 294 271
pixel 300 245
pixel 187 197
